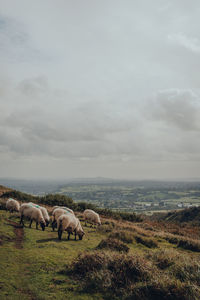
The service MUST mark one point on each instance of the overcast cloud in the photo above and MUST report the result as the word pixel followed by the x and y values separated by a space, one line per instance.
pixel 100 88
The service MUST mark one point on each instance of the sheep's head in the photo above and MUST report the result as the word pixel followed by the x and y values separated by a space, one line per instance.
pixel 81 234
pixel 42 224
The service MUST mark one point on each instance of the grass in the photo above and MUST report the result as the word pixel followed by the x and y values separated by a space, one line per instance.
pixel 45 268
pixel 33 272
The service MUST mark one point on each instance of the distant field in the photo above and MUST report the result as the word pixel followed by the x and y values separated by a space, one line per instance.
pixel 139 196
pixel 135 198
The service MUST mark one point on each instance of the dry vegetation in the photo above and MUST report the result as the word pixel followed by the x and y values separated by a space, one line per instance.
pixel 118 260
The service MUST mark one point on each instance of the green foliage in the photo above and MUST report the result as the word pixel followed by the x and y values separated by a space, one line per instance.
pixel 189 215
pixel 132 217
pixel 63 200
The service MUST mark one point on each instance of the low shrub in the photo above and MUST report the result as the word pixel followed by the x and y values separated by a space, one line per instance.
pixel 124 236
pixel 109 271
pixel 128 277
pixel 172 239
pixel 189 244
pixel 186 269
pixel 163 259
pixel 148 242
pixel 113 244
pixel 105 228
pixel 165 289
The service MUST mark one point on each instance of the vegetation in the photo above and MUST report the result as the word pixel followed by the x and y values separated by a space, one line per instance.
pixel 190 215
pixel 63 200
pixel 113 244
pixel 128 196
pixel 148 242
pixel 118 260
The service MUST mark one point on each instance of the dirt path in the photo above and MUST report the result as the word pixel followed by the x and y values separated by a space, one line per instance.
pixel 19 234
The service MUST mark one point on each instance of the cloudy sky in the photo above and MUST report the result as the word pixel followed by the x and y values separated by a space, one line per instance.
pixel 100 88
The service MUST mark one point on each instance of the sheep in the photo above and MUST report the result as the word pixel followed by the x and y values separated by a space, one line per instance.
pixel 44 212
pixel 12 205
pixel 63 207
pixel 53 208
pixel 92 217
pixel 57 213
pixel 71 224
pixel 33 213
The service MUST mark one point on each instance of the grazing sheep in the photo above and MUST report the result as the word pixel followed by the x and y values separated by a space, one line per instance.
pixel 33 214
pixel 63 207
pixel 91 216
pixel 57 213
pixel 71 224
pixel 44 212
pixel 12 205
pixel 54 207
pixel 67 209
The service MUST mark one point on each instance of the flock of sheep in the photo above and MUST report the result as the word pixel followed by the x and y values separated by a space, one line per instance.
pixel 62 217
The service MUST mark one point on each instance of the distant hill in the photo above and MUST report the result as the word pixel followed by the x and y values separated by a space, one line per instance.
pixel 3 190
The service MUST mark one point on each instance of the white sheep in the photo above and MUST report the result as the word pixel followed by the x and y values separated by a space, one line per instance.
pixel 32 213
pixel 71 224
pixel 91 216
pixel 44 212
pixel 54 207
pixel 63 207
pixel 57 213
pixel 12 205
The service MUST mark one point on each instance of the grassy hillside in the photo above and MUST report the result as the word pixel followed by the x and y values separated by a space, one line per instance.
pixel 119 260
pixel 190 216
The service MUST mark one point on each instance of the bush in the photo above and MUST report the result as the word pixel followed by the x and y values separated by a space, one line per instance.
pixel 113 244
pixel 189 245
pixel 163 259
pixel 172 238
pixel 164 290
pixel 109 272
pixel 105 228
pixel 150 243
pixel 124 236
pixel 131 217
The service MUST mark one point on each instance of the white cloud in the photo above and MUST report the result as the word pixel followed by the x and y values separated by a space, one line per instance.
pixel 189 43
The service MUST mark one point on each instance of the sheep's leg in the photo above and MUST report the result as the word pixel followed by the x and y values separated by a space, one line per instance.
pixel 36 225
pixel 21 220
pixel 68 236
pixel 30 223
pixel 75 236
pixel 53 225
pixel 85 224
pixel 59 234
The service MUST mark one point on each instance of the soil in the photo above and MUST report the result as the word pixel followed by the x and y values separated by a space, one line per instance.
pixel 19 234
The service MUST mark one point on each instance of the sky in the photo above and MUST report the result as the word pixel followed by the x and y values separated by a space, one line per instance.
pixel 100 88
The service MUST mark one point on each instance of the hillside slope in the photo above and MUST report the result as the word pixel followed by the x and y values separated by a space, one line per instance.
pixel 189 215
pixel 118 260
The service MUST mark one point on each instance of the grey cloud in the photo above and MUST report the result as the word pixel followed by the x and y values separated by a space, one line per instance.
pixel 94 84
pixel 179 108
